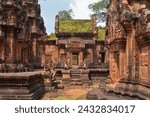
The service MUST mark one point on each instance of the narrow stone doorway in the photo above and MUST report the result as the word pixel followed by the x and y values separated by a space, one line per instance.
pixel 74 58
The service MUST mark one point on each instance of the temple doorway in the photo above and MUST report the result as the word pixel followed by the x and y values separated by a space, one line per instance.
pixel 74 58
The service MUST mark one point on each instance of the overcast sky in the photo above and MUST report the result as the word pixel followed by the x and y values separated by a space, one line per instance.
pixel 50 8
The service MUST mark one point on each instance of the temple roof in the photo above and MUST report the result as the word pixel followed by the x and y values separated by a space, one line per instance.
pixel 72 26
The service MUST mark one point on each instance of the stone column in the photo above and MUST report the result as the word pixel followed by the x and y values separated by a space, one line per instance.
pixel 80 58
pixel 133 55
pixel 34 49
pixel 149 64
pixel 112 66
pixel 12 50
pixel 3 49
pixel 116 66
pixel 121 63
pixel 128 64
pixel 9 47
pixel 57 24
pixel 122 59
pixel 3 43
pixel 94 24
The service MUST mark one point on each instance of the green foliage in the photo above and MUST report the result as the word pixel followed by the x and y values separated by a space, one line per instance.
pixel 101 34
pixel 64 14
pixel 100 9
pixel 75 25
pixel 52 36
pixel 68 98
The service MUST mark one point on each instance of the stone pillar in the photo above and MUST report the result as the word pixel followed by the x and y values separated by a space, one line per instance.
pixel 121 63
pixel 57 24
pixel 34 50
pixel 116 64
pixel 111 66
pixel 133 55
pixel 9 47
pixel 128 64
pixel 58 54
pixel 80 58
pixel 3 43
pixel 94 24
pixel 65 74
pixel 149 64
pixel 12 50
pixel 3 49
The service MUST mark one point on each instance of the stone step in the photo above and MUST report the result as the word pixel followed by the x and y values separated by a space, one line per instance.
pixel 76 82
pixel 75 74
pixel 75 71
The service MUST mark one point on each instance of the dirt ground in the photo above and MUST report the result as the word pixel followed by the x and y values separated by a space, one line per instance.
pixel 73 92
pixel 69 93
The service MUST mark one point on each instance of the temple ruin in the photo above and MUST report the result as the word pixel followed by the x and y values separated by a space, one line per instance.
pixel 78 50
pixel 76 45
pixel 21 25
pixel 128 50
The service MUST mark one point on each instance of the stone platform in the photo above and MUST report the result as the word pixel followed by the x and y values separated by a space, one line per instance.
pixel 24 85
pixel 132 89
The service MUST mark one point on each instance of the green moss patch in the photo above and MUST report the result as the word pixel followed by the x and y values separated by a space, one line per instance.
pixel 101 34
pixel 52 36
pixel 75 26
pixel 68 98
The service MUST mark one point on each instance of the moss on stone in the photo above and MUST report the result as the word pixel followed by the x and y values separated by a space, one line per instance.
pixel 101 34
pixel 75 26
pixel 52 36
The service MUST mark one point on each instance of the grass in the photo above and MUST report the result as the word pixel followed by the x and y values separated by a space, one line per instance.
pixel 68 98
pixel 101 34
pixel 75 26
pixel 52 36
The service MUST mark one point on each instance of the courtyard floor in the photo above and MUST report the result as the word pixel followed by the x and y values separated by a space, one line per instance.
pixel 71 92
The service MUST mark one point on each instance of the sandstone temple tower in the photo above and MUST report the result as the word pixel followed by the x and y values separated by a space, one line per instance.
pixel 20 27
pixel 128 44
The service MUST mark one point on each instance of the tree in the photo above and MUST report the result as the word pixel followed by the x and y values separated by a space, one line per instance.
pixel 64 14
pixel 100 9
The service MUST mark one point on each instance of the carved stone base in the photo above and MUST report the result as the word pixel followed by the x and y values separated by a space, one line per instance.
pixel 18 86
pixel 135 90
pixel 13 68
pixel 65 74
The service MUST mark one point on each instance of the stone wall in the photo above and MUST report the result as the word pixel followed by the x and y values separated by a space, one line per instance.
pixel 21 25
pixel 19 86
pixel 50 50
pixel 127 39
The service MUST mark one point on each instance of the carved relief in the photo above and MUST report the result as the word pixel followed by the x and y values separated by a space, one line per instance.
pixel 119 31
pixel 126 16
pixel 143 24
pixel 16 33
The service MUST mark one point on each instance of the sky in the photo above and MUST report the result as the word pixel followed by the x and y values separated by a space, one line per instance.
pixel 50 8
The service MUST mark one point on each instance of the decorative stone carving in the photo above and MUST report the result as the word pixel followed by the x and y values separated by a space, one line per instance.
pixel 129 58
pixel 143 24
pixel 16 30
pixel 119 31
